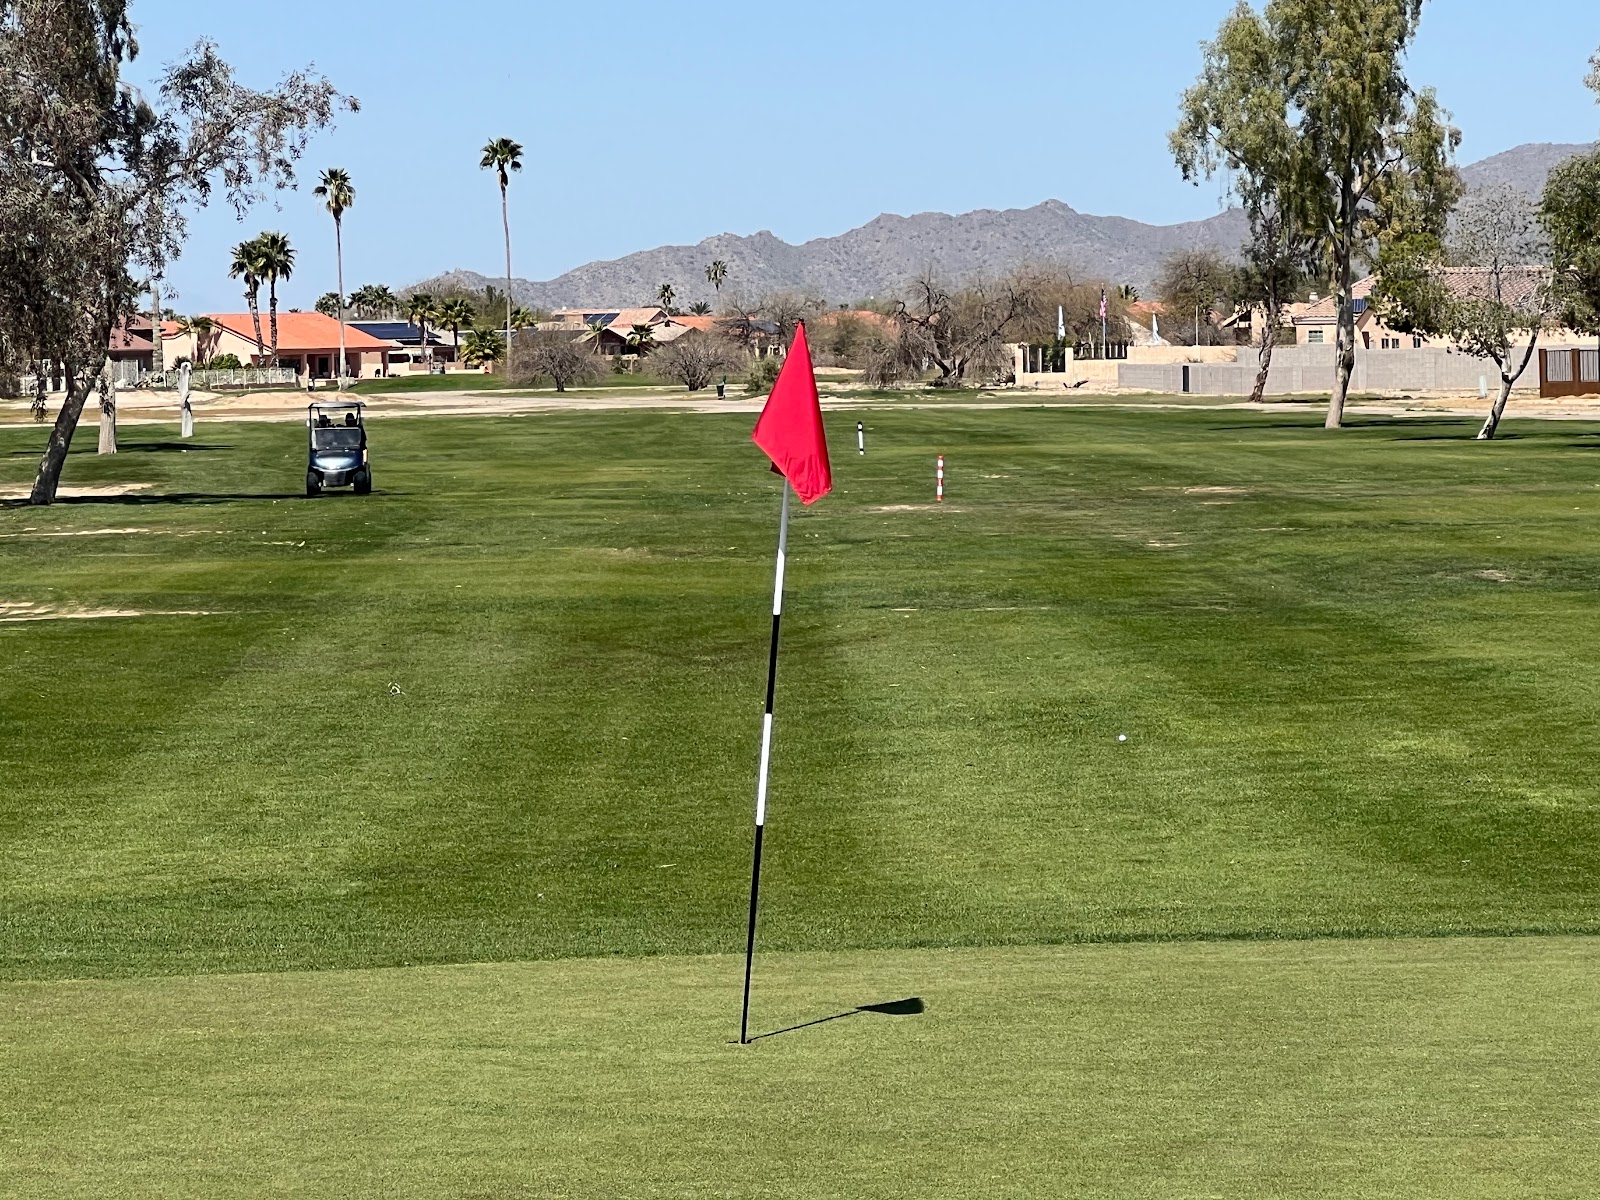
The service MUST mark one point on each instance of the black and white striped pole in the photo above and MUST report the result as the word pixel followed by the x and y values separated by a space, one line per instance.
pixel 766 763
pixel 861 437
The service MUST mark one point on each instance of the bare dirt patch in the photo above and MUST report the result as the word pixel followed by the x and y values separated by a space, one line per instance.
pixel 1494 576
pixel 14 611
pixel 59 533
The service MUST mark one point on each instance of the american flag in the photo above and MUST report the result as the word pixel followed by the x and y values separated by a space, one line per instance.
pixel 1102 304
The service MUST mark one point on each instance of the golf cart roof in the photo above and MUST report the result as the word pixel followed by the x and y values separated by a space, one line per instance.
pixel 335 406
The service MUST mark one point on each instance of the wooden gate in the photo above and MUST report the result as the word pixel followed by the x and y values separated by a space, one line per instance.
pixel 1567 372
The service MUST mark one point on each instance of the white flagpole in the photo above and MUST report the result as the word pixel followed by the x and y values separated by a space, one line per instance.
pixel 766 763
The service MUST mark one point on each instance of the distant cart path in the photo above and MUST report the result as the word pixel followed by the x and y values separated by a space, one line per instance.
pixel 145 408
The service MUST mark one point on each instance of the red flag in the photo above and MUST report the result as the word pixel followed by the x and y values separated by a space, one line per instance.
pixel 790 426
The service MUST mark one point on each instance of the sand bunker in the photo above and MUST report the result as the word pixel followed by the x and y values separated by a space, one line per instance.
pixel 67 493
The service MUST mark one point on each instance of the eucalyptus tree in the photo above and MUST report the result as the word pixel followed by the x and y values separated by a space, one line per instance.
pixel 1235 119
pixel 1569 211
pixel 98 177
pixel 1352 153
pixel 247 265
pixel 276 259
pixel 503 156
pixel 1490 293
pixel 337 194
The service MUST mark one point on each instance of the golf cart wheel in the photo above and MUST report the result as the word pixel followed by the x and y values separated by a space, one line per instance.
pixel 363 481
pixel 313 483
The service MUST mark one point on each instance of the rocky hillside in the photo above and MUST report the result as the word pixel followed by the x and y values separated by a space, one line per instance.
pixel 1525 167
pixel 881 255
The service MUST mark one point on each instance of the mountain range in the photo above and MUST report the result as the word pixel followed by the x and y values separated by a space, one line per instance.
pixel 877 258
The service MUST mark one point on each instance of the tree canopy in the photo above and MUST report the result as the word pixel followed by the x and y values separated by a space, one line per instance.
pixel 98 177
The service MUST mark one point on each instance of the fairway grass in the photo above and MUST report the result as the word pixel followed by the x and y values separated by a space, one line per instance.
pixel 1455 1069
pixel 506 707
pixel 399 844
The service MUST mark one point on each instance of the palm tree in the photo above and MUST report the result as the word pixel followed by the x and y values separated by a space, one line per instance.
pixel 246 265
pixel 522 318
pixel 483 345
pixel 421 308
pixel 700 309
pixel 597 328
pixel 202 328
pixel 716 272
pixel 454 313
pixel 665 296
pixel 277 262
pixel 504 156
pixel 337 192
pixel 642 340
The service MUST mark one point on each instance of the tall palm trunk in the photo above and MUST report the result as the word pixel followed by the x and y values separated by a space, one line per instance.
pixel 272 300
pixel 338 253
pixel 505 221
pixel 254 296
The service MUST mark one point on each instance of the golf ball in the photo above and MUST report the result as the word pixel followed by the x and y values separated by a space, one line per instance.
pixel 1122 737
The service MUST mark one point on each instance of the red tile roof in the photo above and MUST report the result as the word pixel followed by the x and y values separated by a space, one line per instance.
pixel 128 340
pixel 298 332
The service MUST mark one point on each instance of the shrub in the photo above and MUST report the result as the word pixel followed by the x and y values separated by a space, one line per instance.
pixel 763 374
pixel 695 359
pixel 224 362
pixel 552 355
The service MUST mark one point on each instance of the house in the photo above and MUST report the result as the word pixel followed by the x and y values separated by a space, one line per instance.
pixel 131 350
pixel 1144 323
pixel 408 353
pixel 617 324
pixel 1318 323
pixel 308 342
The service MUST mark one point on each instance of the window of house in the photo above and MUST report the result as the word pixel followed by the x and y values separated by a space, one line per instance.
pixel 1314 337
pixel 1416 342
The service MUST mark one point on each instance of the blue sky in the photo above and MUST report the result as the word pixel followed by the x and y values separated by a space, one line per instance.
pixel 649 123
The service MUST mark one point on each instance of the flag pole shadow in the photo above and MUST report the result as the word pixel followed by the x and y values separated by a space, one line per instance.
pixel 910 1006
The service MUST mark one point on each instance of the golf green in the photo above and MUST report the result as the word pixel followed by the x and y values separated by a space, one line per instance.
pixel 1449 1069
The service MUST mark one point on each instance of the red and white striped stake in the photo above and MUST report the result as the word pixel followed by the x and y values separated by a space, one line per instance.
pixel 938 487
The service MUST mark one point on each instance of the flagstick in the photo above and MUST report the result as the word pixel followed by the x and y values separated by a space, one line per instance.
pixel 766 762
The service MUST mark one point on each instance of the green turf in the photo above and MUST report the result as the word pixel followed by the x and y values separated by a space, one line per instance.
pixel 1404 1070
pixel 1359 687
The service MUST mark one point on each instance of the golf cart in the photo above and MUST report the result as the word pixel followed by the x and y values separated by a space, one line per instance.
pixel 337 437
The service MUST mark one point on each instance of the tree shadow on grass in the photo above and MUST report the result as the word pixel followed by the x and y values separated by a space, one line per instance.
pixel 136 500
pixel 910 1006
pixel 137 448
